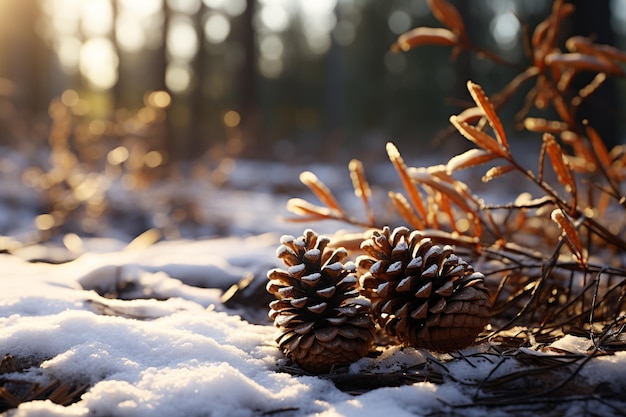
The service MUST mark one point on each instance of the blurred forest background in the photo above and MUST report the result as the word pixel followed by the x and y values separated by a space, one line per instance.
pixel 101 100
pixel 274 79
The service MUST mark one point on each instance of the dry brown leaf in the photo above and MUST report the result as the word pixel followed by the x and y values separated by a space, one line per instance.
pixel 405 210
pixel 302 207
pixel 571 236
pixel 582 62
pixel 414 196
pixel 453 191
pixel 562 170
pixel 586 45
pixel 599 147
pixel 469 159
pixel 447 14
pixel 590 88
pixel 361 187
pixel 485 104
pixel 580 147
pixel 535 124
pixel 498 171
pixel 424 36
pixel 320 190
pixel 480 138
pixel 471 115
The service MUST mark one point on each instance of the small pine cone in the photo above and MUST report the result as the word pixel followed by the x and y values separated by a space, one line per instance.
pixel 421 293
pixel 322 319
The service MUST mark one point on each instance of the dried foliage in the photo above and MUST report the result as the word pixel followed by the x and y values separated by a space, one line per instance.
pixel 554 260
pixel 14 391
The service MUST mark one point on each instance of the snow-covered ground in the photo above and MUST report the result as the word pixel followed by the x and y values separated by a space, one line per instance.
pixel 168 345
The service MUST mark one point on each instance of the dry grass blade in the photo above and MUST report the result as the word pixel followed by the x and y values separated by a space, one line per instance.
pixel 361 187
pixel 497 171
pixel 424 36
pixel 477 136
pixel 562 170
pixel 447 14
pixel 469 159
pixel 320 190
pixel 405 210
pixel 571 235
pixel 485 104
pixel 414 196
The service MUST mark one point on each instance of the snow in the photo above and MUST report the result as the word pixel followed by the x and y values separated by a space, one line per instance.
pixel 171 347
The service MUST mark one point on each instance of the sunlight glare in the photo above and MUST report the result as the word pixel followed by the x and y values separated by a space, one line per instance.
pixel 504 28
pixel 235 7
pixel 188 7
pixel 96 17
pixel 216 28
pixel 68 52
pixel 99 63
pixel 177 77
pixel 274 17
pixel 271 47
pixel 142 7
pixel 129 33
pixel 182 41
pixel 399 21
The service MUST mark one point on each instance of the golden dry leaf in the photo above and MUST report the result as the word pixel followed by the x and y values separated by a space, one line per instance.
pixel 447 14
pixel 471 115
pixel 535 124
pixel 580 147
pixel 443 206
pixel 480 138
pixel 570 234
pixel 424 36
pixel 414 196
pixel 302 207
pixel 320 190
pixel 485 104
pixel 589 89
pixel 583 62
pixel 144 240
pixel 562 170
pixel 405 210
pixel 361 186
pixel 495 172
pixel 599 147
pixel 469 159
pixel 455 190
pixel 586 45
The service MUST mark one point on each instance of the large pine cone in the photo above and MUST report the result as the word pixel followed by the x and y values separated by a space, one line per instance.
pixel 421 293
pixel 322 319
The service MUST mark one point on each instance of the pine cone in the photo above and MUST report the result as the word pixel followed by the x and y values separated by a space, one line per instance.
pixel 322 320
pixel 421 293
